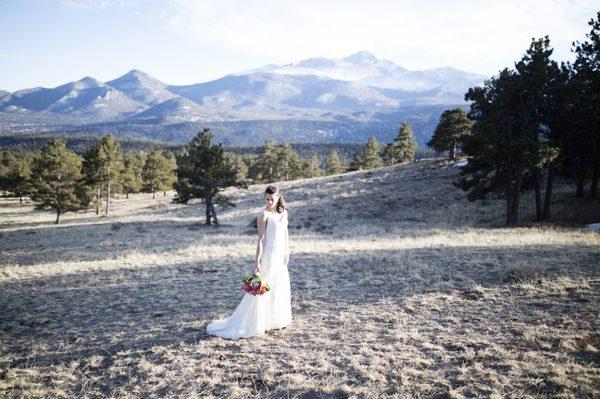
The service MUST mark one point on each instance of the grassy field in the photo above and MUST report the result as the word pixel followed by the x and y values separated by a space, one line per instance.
pixel 400 288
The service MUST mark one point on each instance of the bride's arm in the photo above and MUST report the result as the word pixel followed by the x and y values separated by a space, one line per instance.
pixel 261 236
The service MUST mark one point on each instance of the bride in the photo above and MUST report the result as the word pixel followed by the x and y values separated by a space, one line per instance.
pixel 273 309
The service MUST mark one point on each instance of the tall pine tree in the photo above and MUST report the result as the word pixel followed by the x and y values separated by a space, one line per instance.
pixel 57 180
pixel 403 147
pixel 536 72
pixel 132 181
pixel 334 165
pixel 453 126
pixel 110 163
pixel 586 162
pixel 203 172
pixel 498 147
pixel 371 156
pixel 312 167
pixel 157 172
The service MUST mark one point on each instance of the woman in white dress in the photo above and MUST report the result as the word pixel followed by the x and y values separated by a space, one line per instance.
pixel 272 310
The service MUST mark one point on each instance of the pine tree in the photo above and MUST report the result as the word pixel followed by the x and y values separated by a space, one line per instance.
pixel 586 162
pixel 312 167
pixel 371 157
pixel 92 173
pixel 499 145
pixel 168 177
pixel 110 163
pixel 17 172
pixel 203 172
pixel 295 166
pixel 4 168
pixel 132 181
pixel 268 162
pixel 334 165
pixel 402 148
pixel 282 167
pixel 240 166
pixel 453 126
pixel 537 72
pixel 157 172
pixel 57 180
pixel 356 163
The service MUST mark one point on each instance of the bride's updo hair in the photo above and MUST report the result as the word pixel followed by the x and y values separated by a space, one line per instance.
pixel 281 205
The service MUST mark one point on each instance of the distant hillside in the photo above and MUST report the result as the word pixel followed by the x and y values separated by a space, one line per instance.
pixel 319 99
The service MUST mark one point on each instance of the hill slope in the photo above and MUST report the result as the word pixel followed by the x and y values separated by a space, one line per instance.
pixel 400 288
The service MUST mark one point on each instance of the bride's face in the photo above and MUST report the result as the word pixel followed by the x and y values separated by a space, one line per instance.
pixel 271 199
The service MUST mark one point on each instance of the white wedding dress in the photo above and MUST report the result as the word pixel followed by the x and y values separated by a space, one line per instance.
pixel 273 309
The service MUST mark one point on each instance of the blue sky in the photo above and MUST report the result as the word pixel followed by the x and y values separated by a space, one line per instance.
pixel 50 42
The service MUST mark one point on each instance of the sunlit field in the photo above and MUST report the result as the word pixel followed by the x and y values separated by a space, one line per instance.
pixel 400 288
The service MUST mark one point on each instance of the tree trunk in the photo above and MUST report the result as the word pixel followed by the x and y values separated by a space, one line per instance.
pixel 595 179
pixel 453 151
pixel 153 194
pixel 107 197
pixel 20 199
pixel 58 207
pixel 508 204
pixel 127 195
pixel 164 193
pixel 549 186
pixel 214 213
pixel 208 209
pixel 537 179
pixel 516 195
pixel 97 199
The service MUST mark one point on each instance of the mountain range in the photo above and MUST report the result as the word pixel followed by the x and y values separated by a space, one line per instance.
pixel 321 98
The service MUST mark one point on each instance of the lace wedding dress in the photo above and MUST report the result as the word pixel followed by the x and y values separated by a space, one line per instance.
pixel 273 309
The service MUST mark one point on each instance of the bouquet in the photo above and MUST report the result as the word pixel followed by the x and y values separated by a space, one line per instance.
pixel 254 285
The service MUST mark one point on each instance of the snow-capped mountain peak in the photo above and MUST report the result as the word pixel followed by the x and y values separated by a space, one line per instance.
pixel 142 87
pixel 362 58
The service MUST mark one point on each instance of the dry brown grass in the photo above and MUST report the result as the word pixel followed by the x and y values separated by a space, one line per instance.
pixel 400 288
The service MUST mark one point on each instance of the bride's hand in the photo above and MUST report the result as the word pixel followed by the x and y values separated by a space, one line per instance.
pixel 256 270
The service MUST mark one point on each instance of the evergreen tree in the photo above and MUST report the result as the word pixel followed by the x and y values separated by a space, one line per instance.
pixel 371 157
pixel 132 180
pixel 402 148
pixel 4 168
pixel 295 166
pixel 499 145
pixel 203 172
pixel 334 165
pixel 312 167
pixel 284 156
pixel 110 163
pixel 240 166
pixel 454 124
pixel 356 163
pixel 537 72
pixel 92 173
pixel 17 172
pixel 267 165
pixel 586 140
pixel 57 181
pixel 168 177
pixel 560 126
pixel 156 173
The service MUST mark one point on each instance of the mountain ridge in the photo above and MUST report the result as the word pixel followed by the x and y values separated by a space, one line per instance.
pixel 359 88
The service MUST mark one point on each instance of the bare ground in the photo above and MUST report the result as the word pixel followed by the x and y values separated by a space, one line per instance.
pixel 400 288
